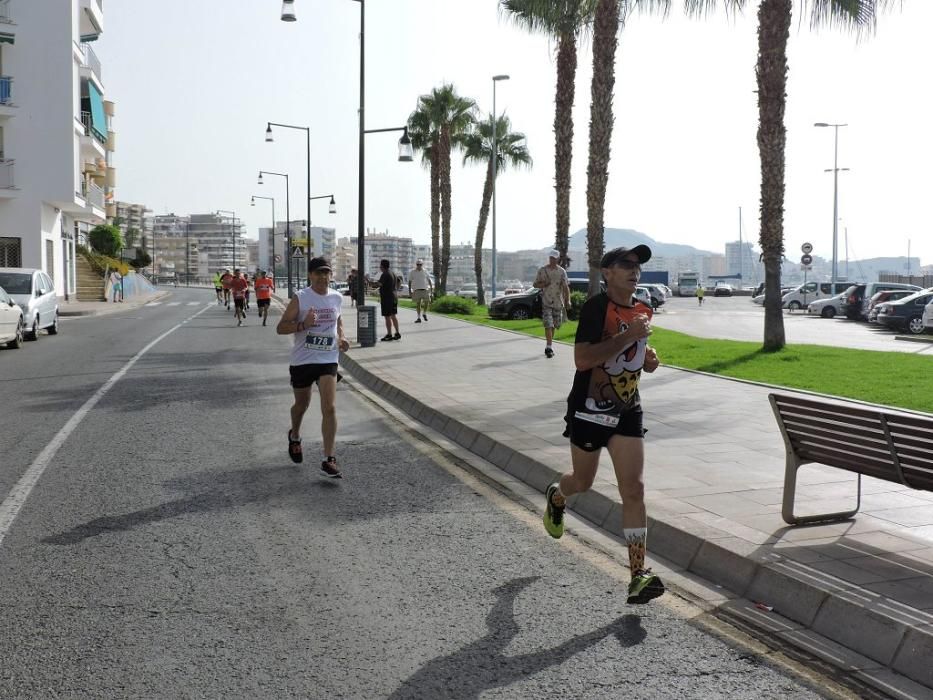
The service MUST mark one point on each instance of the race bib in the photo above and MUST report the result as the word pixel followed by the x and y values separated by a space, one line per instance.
pixel 324 343
pixel 609 420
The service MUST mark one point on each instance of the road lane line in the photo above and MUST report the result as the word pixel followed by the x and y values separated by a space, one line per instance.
pixel 11 505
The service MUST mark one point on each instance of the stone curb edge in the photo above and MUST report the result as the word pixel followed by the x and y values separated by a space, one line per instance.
pixel 109 309
pixel 894 635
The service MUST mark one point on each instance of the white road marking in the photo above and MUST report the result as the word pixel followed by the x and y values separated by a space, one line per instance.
pixel 173 303
pixel 194 303
pixel 11 505
pixel 153 303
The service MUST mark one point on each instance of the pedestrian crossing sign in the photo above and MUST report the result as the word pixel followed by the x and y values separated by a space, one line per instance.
pixel 298 252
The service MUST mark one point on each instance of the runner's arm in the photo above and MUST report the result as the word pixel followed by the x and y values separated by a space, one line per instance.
pixel 342 343
pixel 289 322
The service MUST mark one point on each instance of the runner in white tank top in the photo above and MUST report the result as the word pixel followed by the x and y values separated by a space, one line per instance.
pixel 313 319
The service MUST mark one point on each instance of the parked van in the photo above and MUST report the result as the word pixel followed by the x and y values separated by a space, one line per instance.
pixel 860 295
pixel 800 297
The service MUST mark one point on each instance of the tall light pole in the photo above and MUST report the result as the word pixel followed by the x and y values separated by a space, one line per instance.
pixel 495 168
pixel 405 149
pixel 835 170
pixel 187 256
pixel 252 203
pixel 307 131
pixel 288 228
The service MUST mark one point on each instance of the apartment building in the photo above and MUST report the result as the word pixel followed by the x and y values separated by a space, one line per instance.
pixel 128 216
pixel 322 240
pixel 56 141
pixel 213 242
pixel 397 250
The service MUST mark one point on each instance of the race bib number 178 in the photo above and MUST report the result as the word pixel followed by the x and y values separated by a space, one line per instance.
pixel 319 342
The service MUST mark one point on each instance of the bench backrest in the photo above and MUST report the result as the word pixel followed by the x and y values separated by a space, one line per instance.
pixel 887 446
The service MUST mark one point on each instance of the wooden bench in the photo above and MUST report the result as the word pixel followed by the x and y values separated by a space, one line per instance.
pixel 885 445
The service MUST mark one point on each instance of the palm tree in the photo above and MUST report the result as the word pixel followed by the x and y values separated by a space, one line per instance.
pixel 425 137
pixel 511 149
pixel 564 20
pixel 450 116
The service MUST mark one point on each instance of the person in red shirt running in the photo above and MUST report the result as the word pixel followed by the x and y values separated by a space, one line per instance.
pixel 225 280
pixel 264 287
pixel 238 288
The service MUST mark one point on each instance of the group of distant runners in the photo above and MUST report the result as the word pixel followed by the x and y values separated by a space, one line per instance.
pixel 611 352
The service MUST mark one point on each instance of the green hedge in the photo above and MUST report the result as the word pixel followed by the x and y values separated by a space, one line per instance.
pixel 452 304
pixel 577 300
pixel 99 263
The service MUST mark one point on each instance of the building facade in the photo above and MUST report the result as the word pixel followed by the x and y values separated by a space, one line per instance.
pixel 127 216
pixel 213 242
pixel 56 141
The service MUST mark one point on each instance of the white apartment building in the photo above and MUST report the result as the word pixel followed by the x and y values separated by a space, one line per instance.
pixel 323 242
pixel 55 137
pixel 132 216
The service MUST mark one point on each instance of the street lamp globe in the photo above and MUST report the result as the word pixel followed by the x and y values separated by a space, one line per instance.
pixel 288 11
pixel 268 133
pixel 406 153
pixel 332 208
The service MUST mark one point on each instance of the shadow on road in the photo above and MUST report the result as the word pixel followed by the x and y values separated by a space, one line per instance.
pixel 482 665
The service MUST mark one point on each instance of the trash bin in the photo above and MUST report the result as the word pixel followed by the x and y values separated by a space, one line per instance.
pixel 366 325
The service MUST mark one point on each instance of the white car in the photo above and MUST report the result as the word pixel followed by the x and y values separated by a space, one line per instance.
pixel 928 317
pixel 467 291
pixel 643 295
pixel 828 307
pixel 35 293
pixel 12 326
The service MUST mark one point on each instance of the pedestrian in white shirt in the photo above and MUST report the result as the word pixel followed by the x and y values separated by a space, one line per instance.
pixel 422 289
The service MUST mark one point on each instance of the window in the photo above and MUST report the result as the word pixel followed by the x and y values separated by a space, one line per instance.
pixel 11 252
pixel 50 257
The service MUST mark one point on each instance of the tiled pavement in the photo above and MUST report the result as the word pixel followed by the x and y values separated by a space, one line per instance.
pixel 714 474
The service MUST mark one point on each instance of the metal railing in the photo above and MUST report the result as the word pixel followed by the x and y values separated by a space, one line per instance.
pixel 5 12
pixel 6 90
pixel 91 60
pixel 88 131
pixel 94 194
pixel 6 175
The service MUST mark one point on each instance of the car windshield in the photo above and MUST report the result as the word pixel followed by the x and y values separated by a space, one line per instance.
pixel 912 296
pixel 16 282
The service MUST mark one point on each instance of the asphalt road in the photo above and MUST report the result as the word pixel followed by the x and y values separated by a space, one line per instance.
pixel 171 549
pixel 737 318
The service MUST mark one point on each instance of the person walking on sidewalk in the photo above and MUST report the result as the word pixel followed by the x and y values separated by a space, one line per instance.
pixel 388 300
pixel 422 289
pixel 264 287
pixel 312 317
pixel 604 408
pixel 555 297
pixel 353 282
pixel 700 294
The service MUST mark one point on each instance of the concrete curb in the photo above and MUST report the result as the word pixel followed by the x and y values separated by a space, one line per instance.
pixel 895 636
pixel 108 307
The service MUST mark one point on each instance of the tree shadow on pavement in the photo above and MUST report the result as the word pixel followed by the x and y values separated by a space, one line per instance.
pixel 716 367
pixel 482 665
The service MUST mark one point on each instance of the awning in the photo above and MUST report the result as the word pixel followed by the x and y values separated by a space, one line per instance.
pixel 98 116
pixel 6 38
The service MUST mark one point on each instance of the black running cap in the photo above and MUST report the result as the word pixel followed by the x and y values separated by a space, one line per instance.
pixel 616 254
pixel 318 264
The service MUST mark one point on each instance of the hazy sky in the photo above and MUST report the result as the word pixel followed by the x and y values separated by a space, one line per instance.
pixel 195 83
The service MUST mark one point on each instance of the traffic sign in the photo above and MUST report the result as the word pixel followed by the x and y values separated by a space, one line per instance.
pixel 278 258
pixel 806 268
pixel 297 252
pixel 806 248
pixel 806 259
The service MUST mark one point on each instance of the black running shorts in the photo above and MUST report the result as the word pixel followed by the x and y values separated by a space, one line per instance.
pixel 304 376
pixel 260 303
pixel 388 308
pixel 239 303
pixel 593 436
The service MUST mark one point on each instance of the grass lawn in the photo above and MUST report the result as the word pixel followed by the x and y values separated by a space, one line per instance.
pixel 887 378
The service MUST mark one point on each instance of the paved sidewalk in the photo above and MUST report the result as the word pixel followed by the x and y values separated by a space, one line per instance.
pixel 715 469
pixel 98 308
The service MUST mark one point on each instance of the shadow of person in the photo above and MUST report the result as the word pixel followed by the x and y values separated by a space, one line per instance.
pixel 481 665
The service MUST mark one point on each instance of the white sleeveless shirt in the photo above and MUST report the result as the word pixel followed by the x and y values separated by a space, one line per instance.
pixel 317 344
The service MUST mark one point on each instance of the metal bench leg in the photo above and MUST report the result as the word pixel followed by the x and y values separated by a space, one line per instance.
pixel 790 489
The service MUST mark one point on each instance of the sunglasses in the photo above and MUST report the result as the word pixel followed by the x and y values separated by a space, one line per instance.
pixel 627 264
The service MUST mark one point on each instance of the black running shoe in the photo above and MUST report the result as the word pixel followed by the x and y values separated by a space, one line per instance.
pixel 388 337
pixel 397 336
pixel 548 352
pixel 425 317
pixel 645 586
pixel 330 469
pixel 418 320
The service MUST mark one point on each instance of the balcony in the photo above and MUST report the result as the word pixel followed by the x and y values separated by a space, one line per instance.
pixel 91 62
pixel 92 144
pixel 5 13
pixel 93 194
pixel 7 108
pixel 7 182
pixel 92 19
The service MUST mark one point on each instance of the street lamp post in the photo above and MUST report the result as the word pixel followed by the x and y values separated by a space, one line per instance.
pixel 495 167
pixel 307 131
pixel 405 149
pixel 288 228
pixel 187 256
pixel 835 171
pixel 252 203
pixel 233 229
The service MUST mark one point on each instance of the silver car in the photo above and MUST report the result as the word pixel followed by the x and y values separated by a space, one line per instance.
pixel 11 321
pixel 35 294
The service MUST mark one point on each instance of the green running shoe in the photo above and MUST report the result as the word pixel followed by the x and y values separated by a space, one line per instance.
pixel 553 515
pixel 645 586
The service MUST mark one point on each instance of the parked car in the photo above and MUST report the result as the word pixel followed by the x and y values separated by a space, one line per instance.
pixel 643 295
pixel 906 313
pixel 927 317
pixel 828 307
pixel 516 307
pixel 722 289
pixel 658 295
pixel 12 323
pixel 760 298
pixel 874 304
pixel 805 294
pixel 35 293
pixel 859 296
pixel 467 291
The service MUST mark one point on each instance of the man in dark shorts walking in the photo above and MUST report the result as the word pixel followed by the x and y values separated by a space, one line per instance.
pixel 312 317
pixel 604 407
pixel 388 300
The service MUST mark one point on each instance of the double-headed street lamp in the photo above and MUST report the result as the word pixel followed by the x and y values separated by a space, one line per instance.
pixel 495 166
pixel 288 229
pixel 307 131
pixel 233 225
pixel 406 153
pixel 835 170
pixel 252 203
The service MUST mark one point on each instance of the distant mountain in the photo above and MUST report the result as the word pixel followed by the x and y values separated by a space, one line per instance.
pixel 615 237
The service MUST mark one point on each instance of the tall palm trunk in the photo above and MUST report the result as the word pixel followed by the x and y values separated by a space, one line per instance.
pixel 563 138
pixel 445 208
pixel 435 175
pixel 480 232
pixel 605 40
pixel 774 17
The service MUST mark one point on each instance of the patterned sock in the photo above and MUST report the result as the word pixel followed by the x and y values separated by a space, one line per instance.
pixel 558 498
pixel 637 539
